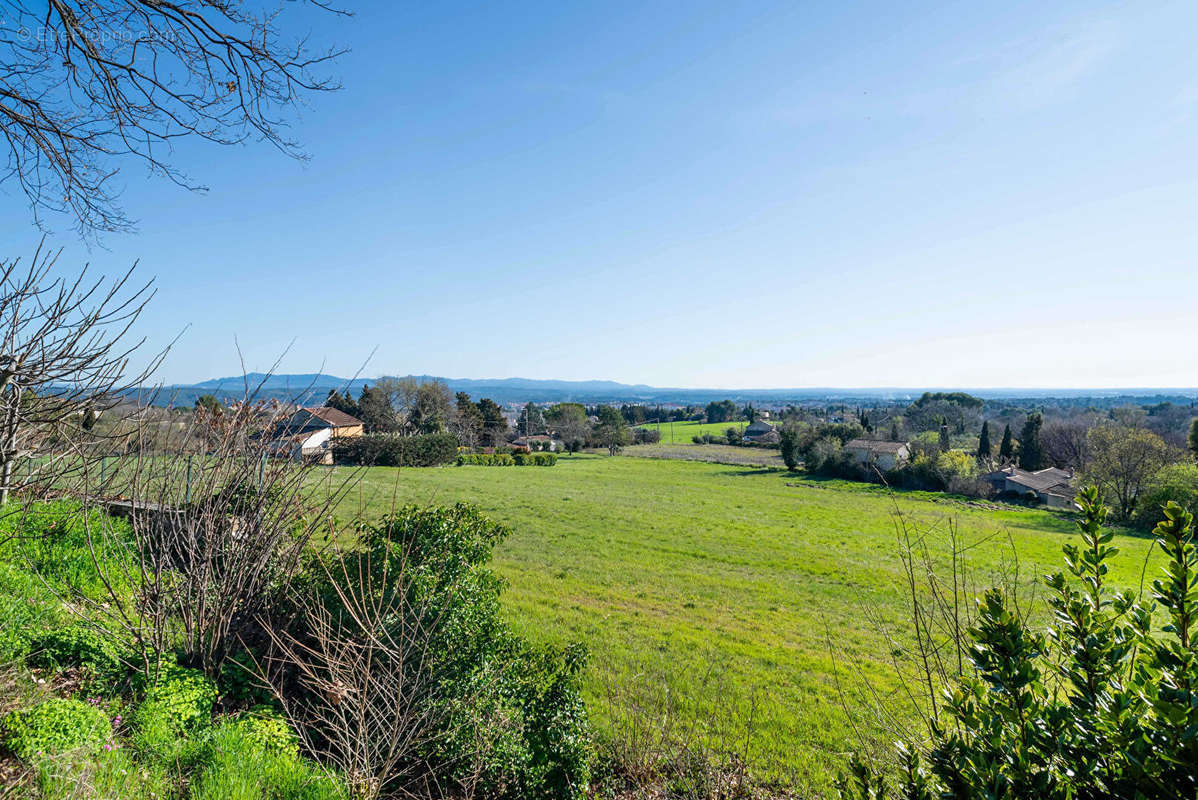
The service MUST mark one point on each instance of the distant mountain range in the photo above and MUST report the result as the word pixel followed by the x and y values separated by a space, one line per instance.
pixel 313 388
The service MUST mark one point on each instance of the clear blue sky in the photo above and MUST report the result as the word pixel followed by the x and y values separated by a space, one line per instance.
pixel 702 194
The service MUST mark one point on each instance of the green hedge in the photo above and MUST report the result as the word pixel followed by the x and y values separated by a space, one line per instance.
pixel 507 459
pixel 486 460
pixel 389 450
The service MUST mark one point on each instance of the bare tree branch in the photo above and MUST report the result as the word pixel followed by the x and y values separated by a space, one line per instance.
pixel 87 85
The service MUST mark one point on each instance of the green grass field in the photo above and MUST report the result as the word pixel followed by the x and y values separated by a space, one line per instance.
pixel 750 588
pixel 682 432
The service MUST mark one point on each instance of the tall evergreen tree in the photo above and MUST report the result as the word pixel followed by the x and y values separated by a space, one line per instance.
pixel 494 423
pixel 984 447
pixel 1031 452
pixel 1193 439
pixel 1006 448
pixel 894 431
pixel 789 445
pixel 342 402
pixel 945 442
pixel 374 409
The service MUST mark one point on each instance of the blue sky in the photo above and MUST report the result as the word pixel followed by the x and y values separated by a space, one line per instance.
pixel 701 194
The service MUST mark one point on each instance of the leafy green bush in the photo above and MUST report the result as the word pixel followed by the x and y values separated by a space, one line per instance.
pixel 544 459
pixel 185 695
pixel 1176 482
pixel 390 450
pixel 73 646
pixel 266 727
pixel 1103 705
pixel 486 460
pixel 524 704
pixel 55 726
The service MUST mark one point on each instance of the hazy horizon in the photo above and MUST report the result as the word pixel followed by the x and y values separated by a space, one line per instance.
pixel 871 388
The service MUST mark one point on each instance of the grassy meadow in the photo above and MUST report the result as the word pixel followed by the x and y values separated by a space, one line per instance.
pixel 753 590
pixel 682 432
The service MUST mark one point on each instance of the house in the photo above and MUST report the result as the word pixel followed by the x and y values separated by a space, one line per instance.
pixel 885 456
pixel 761 432
pixel 308 446
pixel 337 422
pixel 308 434
pixel 1051 486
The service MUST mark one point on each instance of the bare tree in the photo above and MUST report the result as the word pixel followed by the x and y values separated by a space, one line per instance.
pixel 88 84
pixel 1065 443
pixel 64 354
pixel 358 679
pixel 209 536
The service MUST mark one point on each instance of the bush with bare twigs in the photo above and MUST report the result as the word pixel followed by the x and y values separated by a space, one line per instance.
pixel 394 665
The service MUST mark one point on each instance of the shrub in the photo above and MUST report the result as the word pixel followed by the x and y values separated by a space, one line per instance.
pixel 646 436
pixel 1103 705
pixel 697 439
pixel 55 726
pixel 185 695
pixel 486 460
pixel 545 459
pixel 390 450
pixel 266 727
pixel 823 455
pixel 468 699
pixel 73 646
pixel 535 459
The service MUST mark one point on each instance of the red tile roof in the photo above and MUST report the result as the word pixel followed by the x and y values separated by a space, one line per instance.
pixel 333 416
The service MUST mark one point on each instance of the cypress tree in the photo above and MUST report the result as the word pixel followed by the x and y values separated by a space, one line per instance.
pixel 1031 453
pixel 984 448
pixel 944 440
pixel 894 431
pixel 1006 449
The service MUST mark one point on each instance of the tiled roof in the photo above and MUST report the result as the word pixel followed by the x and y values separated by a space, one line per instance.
pixel 1050 480
pixel 333 416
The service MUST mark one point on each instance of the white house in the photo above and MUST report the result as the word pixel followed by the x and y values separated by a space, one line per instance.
pixel 868 453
